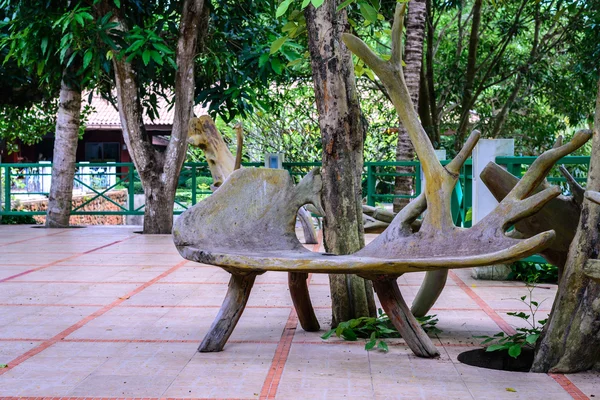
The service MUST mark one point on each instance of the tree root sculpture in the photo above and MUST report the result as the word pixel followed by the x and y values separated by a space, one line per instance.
pixel 217 231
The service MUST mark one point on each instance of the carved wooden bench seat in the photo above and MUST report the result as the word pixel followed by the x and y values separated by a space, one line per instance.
pixel 247 226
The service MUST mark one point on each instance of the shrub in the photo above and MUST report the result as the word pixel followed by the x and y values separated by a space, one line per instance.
pixel 201 182
pixel 17 220
pixel 534 272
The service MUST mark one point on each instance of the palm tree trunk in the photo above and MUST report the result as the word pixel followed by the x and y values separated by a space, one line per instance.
pixel 415 28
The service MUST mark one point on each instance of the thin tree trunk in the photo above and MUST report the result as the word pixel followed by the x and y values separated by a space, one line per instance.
pixel 500 119
pixel 467 99
pixel 65 151
pixel 413 57
pixel 429 76
pixel 342 138
pixel 159 172
pixel 570 341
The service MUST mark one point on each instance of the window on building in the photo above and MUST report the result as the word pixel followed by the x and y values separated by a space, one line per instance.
pixel 102 152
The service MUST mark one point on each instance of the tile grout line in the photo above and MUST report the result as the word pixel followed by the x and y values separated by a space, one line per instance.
pixel 193 306
pixel 117 398
pixel 568 386
pixel 33 238
pixel 301 342
pixel 561 379
pixel 65 259
pixel 502 324
pixel 60 336
pixel 271 383
pixel 458 372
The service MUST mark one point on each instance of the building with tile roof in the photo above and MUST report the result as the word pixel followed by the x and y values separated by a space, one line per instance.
pixel 103 138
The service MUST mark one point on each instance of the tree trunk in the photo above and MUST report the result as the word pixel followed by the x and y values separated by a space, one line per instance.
pixel 468 98
pixel 500 119
pixel 342 138
pixel 571 338
pixel 159 172
pixel 63 163
pixel 158 212
pixel 413 57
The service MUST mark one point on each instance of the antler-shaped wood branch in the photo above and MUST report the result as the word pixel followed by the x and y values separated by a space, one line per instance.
pixel 438 226
pixel 390 72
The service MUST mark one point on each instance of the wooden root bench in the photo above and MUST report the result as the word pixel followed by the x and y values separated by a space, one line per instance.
pixel 247 227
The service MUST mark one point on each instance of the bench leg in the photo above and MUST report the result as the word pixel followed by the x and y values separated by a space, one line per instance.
pixel 301 299
pixel 430 290
pixel 395 307
pixel 233 306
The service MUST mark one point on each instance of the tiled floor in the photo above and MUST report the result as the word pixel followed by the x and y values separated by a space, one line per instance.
pixel 103 312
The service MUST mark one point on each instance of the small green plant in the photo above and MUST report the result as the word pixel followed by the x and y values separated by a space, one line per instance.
pixel 376 329
pixel 17 219
pixel 525 337
pixel 533 272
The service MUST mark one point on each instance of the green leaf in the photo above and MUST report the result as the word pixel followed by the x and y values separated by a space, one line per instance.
pixel 344 4
pixel 350 335
pixel 3 365
pixel 146 56
pixel 118 3
pixel 289 26
pixel 496 347
pixel 295 62
pixel 368 12
pixel 383 346
pixel 531 339
pixel 317 3
pixel 156 57
pixel 514 350
pixel 87 57
pixel 71 58
pixel 263 60
pixel 305 3
pixel 79 19
pixel 44 45
pixel 370 344
pixel 283 7
pixel 162 47
pixel 135 46
pixel 328 334
pixel 276 45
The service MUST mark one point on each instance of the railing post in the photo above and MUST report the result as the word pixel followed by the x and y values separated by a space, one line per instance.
pixel 7 203
pixel 370 185
pixel 418 182
pixel 130 178
pixel 194 185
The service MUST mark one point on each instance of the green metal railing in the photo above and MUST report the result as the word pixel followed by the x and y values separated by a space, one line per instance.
pixel 21 181
pixel 578 165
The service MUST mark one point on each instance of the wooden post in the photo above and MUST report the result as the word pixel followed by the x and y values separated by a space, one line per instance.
pixel 297 282
pixel 396 309
pixel 233 306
